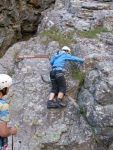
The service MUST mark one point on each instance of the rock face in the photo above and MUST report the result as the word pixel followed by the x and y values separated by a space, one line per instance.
pixel 19 17
pixel 86 123
pixel 81 15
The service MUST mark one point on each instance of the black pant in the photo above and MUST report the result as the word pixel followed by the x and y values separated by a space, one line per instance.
pixel 58 81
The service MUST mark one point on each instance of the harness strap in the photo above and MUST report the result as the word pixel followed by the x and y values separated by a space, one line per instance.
pixel 56 66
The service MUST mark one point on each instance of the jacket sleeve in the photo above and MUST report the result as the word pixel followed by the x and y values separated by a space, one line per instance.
pixel 74 58
pixel 52 61
pixel 55 56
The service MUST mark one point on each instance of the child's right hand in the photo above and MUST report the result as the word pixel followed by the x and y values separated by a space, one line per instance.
pixel 13 130
pixel 84 58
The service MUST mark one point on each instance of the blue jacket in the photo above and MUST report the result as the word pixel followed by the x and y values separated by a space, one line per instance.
pixel 60 58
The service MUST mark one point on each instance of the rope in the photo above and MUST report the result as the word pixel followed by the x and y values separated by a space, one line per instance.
pixel 12 142
pixel 48 82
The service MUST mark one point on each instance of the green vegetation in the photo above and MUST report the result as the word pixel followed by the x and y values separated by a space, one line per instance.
pixel 78 75
pixel 16 61
pixel 95 137
pixel 34 40
pixel 11 72
pixel 67 38
pixel 82 111
pixel 91 33
pixel 55 35
pixel 16 53
pixel 94 80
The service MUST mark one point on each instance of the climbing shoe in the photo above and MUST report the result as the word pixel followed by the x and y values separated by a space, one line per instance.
pixel 60 103
pixel 52 104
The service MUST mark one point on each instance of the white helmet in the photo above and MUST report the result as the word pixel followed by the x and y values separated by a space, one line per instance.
pixel 66 48
pixel 5 81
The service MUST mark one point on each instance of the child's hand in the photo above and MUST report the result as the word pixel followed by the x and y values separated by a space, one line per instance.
pixel 13 130
pixel 84 58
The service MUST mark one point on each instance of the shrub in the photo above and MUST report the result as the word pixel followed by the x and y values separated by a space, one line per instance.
pixel 56 35
pixel 91 33
pixel 78 74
